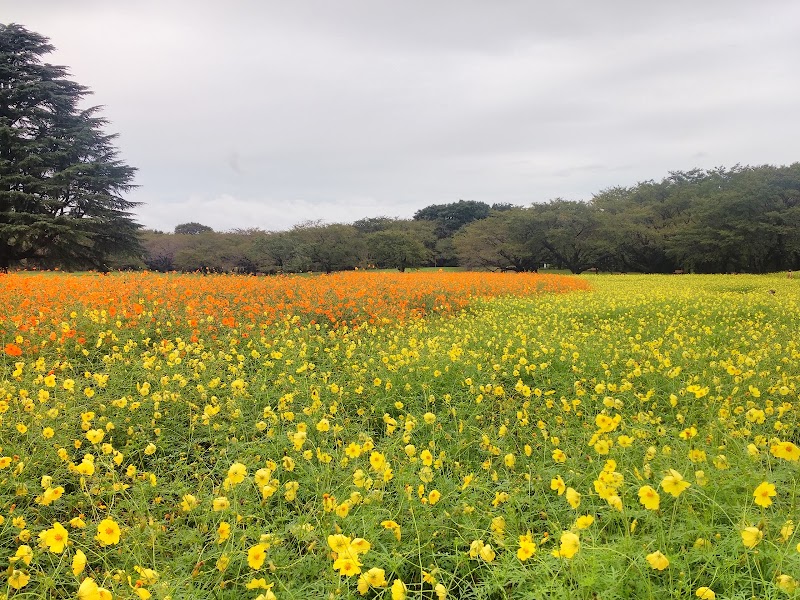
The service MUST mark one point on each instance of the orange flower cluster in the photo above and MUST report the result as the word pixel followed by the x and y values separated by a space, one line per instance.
pixel 45 306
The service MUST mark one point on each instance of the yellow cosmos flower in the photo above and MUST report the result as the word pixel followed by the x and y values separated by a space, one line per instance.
pixel 705 593
pixel 236 473
pixel 570 545
pixel 625 441
pixel 700 478
pixel 584 522
pixel 257 555
pixel 108 532
pixel 55 538
pixel 18 579
pixel 394 527
pixel 763 494
pixel 787 530
pixel 697 456
pixel 527 547
pixel 262 477
pixel 649 497
pixel 89 590
pixel 674 483
pixel 487 553
pixel 258 584
pixel 78 563
pixel 615 502
pixel 721 462
pixel 50 495
pixel 146 576
pixel 573 497
pixel 475 548
pixel 426 457
pixel 291 488
pixel 353 450
pixel 657 560
pixel 377 461
pixel 360 546
pixel 752 536
pixel 95 436
pixel 498 526
pixel 223 562
pixel 786 451
pixel 398 590
pixel 87 466
pixel 787 583
pixel 220 503
pixel 189 502
pixel 223 532
pixel 339 543
pixel 23 553
pixel 375 577
pixel 347 566
pixel 557 485
pixel 602 447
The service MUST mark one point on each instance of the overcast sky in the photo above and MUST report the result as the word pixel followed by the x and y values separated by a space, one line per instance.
pixel 269 113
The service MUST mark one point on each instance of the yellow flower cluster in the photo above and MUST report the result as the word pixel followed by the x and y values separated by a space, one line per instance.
pixel 232 448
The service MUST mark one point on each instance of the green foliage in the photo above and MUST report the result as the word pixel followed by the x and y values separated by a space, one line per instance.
pixel 61 182
pixel 449 218
pixel 192 228
pixel 401 247
pixel 328 248
pixel 567 232
pixel 747 219
pixel 497 243
pixel 743 219
pixel 373 224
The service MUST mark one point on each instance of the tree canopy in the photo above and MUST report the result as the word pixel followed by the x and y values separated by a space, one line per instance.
pixel 61 181
pixel 192 228
pixel 449 218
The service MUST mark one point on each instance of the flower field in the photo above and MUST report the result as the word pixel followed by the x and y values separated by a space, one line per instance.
pixel 416 435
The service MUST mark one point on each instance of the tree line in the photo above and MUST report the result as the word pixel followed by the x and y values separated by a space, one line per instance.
pixel 741 219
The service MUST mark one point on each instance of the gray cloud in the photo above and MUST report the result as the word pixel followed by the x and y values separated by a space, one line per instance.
pixel 265 114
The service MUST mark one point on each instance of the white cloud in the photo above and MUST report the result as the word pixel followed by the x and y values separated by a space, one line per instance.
pixel 226 212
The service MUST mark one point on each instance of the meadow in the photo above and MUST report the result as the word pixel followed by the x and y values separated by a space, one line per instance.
pixel 385 435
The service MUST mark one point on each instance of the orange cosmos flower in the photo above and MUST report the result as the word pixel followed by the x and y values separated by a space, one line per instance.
pixel 13 350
